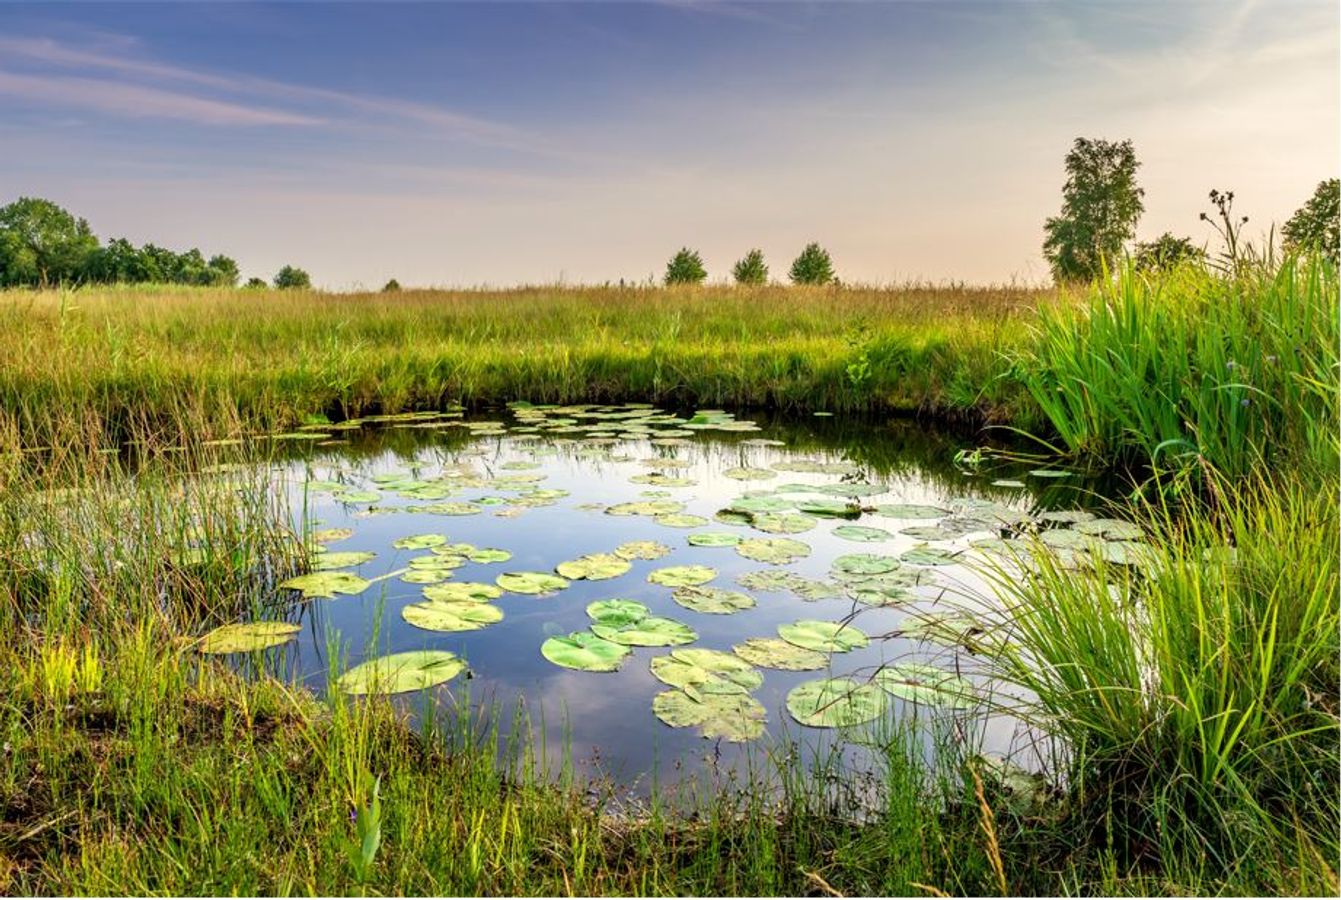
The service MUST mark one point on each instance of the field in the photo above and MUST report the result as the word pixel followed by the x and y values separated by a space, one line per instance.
pixel 1198 696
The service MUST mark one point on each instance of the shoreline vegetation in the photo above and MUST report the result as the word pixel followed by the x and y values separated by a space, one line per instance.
pixel 1198 700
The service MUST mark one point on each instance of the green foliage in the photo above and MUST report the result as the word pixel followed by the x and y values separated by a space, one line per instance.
pixel 1101 204
pixel 42 244
pixel 813 266
pixel 292 278
pixel 391 286
pixel 751 268
pixel 255 283
pixel 1166 252
pixel 685 267
pixel 1317 224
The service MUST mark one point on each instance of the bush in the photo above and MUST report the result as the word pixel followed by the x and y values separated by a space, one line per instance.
pixel 1166 252
pixel 751 269
pixel 292 278
pixel 391 286
pixel 813 266
pixel 255 282
pixel 686 267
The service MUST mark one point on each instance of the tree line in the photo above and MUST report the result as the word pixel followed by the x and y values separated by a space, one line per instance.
pixel 42 244
pixel 812 267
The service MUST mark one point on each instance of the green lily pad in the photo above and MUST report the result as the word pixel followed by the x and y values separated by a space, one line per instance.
pixel 437 562
pixel 326 584
pixel 617 613
pixel 1064 538
pixel 928 556
pixel 1110 529
pixel 827 637
pixel 878 591
pixel 466 615
pixel 927 685
pixel 757 505
pixel 718 601
pixel 425 576
pixel 682 576
pixel 463 592
pixel 327 560
pixel 1124 553
pixel 777 551
pixel 713 539
pixel 783 523
pixel 594 567
pixel 642 550
pixel 585 652
pixel 420 542
pixel 835 703
pixel 400 672
pixel 864 564
pixel 862 533
pixel 775 653
pixel 538 583
pixel 727 717
pixel 652 631
pixel 356 496
pixel 929 533
pixel 246 637
pixel 680 520
pixel 451 509
pixel 911 511
pixel 488 555
pixel 744 473
pixel 698 672
pixel 645 508
pixel 331 535
pixel 1066 516
pixel 829 509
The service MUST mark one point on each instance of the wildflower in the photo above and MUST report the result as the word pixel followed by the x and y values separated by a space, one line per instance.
pixel 1231 365
pixel 1244 402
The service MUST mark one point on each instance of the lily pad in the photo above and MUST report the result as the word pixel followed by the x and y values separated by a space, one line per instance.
pixel 864 564
pixel 835 703
pixel 420 542
pixel 829 509
pixel 699 672
pixel 862 533
pixel 777 551
pixel 827 637
pixel 927 685
pixel 652 631
pixel 642 550
pixel 718 601
pixel 538 583
pixel 488 555
pixel 775 653
pixel 783 523
pixel 451 509
pixel 400 672
pixel 326 584
pixel 1066 516
pixel 744 473
pixel 713 539
pixel 645 508
pixel 463 592
pixel 245 637
pixel 328 560
pixel 928 556
pixel 682 576
pixel 331 535
pixel 763 504
pixel 929 533
pixel 879 591
pixel 356 496
pixel 585 652
pixel 426 576
pixel 727 717
pixel 911 511
pixel 617 613
pixel 680 520
pixel 1110 529
pixel 594 567
pixel 466 615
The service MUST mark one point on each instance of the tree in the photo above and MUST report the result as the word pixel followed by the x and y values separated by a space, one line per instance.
pixel 1101 204
pixel 41 243
pixel 391 286
pixel 813 266
pixel 685 267
pixel 223 270
pixel 1317 224
pixel 255 283
pixel 1166 252
pixel 751 269
pixel 292 278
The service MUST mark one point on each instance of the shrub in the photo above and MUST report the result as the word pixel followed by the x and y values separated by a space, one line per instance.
pixel 751 269
pixel 292 278
pixel 255 282
pixel 1166 252
pixel 391 286
pixel 813 266
pixel 685 267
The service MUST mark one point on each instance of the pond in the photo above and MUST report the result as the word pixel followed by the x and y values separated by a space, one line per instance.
pixel 580 560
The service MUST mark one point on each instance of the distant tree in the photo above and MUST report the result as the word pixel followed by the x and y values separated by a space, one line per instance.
pixel 685 267
pixel 292 278
pixel 391 286
pixel 813 266
pixel 1101 204
pixel 1166 252
pixel 1317 224
pixel 751 268
pixel 117 261
pixel 255 283
pixel 42 244
pixel 223 270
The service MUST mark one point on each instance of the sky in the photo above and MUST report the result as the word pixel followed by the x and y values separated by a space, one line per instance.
pixel 502 143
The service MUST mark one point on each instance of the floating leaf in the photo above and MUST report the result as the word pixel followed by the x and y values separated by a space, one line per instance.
pixel 450 509
pixel 1110 529
pixel 356 496
pixel 775 653
pixel 713 539
pixel 594 567
pixel 682 576
pixel 680 520
pixel 775 580
pixel 929 533
pixel 761 504
pixel 728 717
pixel 652 631
pixel 645 508
pixel 879 591
pixel 437 562
pixel 331 535
pixel 426 576
pixel 830 509
pixel 927 685
pixel 326 584
pixel 327 560
pixel 699 672
pixel 459 616
pixel 783 523
pixel 400 672
pixel 617 613
pixel 828 637
pixel 718 601
pixel 488 555
pixel 246 637
pixel 420 542
pixel 911 511
pixel 864 564
pixel 642 550
pixel 463 592
pixel 928 556
pixel 861 533
pixel 835 703
pixel 539 583
pixel 744 473
pixel 1066 516
pixel 778 551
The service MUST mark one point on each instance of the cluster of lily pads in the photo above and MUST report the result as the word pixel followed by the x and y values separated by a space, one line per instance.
pixel 708 689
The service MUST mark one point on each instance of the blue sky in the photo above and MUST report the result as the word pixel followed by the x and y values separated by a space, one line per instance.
pixel 499 143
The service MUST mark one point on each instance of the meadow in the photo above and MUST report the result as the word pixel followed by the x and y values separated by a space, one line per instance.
pixel 1197 695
